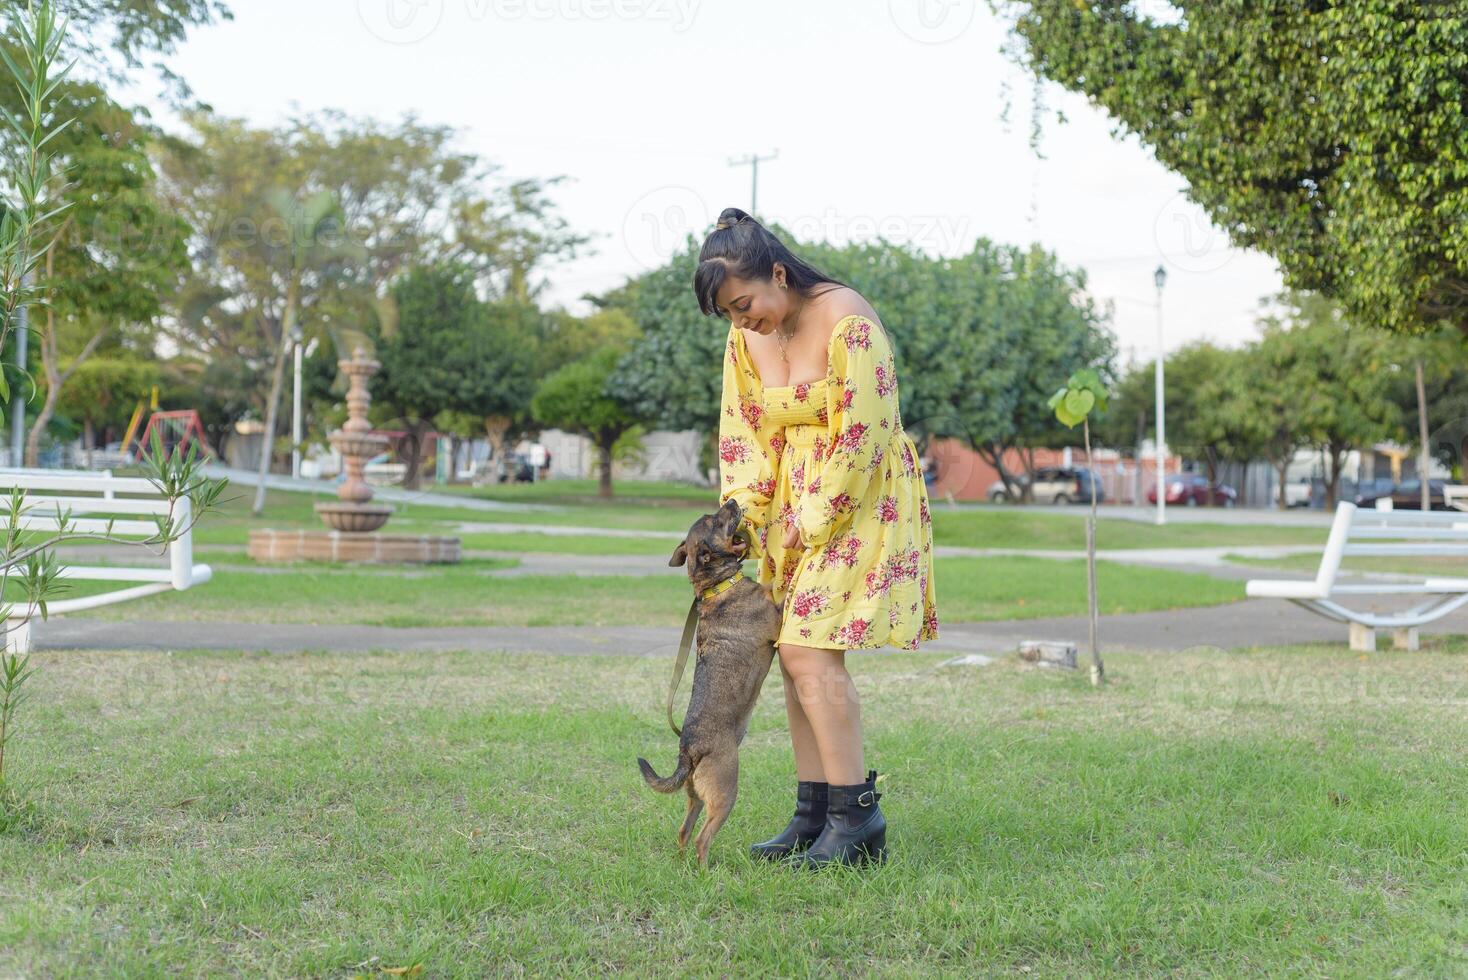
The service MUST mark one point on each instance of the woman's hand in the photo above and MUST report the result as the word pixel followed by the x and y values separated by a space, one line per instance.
pixel 792 536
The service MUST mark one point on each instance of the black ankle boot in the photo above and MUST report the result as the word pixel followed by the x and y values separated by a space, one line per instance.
pixel 804 827
pixel 855 831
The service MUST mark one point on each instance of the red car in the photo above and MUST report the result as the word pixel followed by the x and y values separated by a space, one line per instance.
pixel 1192 490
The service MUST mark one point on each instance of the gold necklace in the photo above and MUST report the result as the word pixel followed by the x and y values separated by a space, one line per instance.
pixel 783 338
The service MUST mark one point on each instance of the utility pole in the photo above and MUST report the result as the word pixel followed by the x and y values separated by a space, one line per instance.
pixel 17 399
pixel 1159 277
pixel 1425 461
pixel 753 161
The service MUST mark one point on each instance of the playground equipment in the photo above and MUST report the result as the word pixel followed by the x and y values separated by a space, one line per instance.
pixel 177 430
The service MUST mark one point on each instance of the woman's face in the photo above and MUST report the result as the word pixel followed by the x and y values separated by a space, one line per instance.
pixel 752 304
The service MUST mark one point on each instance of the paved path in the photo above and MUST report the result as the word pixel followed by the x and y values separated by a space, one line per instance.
pixel 1206 561
pixel 1251 622
pixel 382 494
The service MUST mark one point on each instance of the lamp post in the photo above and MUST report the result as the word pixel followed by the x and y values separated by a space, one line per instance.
pixel 1160 277
pixel 296 337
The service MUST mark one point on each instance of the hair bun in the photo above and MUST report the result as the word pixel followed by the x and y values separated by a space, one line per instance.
pixel 730 217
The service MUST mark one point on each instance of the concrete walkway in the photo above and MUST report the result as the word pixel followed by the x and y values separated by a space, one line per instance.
pixel 391 495
pixel 1252 622
pixel 1204 561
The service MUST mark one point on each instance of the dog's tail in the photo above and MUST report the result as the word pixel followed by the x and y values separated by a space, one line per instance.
pixel 659 783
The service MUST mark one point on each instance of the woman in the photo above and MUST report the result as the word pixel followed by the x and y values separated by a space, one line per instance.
pixel 812 447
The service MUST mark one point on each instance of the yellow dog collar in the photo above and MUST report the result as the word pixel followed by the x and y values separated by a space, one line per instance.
pixel 718 587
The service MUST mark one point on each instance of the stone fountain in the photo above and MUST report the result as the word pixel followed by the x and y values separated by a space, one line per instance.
pixel 353 518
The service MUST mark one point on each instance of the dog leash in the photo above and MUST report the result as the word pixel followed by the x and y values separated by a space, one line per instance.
pixel 686 643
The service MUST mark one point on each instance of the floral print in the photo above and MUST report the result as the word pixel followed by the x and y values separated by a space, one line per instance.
pixel 830 457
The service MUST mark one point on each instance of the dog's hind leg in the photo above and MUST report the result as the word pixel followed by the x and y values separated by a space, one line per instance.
pixel 717 781
pixel 695 807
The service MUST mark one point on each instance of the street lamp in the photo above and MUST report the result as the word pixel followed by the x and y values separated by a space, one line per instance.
pixel 296 337
pixel 1160 277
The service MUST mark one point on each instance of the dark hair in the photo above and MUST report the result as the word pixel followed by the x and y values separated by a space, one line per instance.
pixel 741 246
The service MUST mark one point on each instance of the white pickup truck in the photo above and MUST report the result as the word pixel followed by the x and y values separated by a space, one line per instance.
pixel 1297 492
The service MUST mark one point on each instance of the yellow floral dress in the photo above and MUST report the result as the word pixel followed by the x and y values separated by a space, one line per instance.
pixel 831 456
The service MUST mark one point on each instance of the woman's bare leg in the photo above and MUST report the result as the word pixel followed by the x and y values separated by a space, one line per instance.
pixel 807 752
pixel 829 706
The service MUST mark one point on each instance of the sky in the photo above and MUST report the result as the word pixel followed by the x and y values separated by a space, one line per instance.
pixel 876 116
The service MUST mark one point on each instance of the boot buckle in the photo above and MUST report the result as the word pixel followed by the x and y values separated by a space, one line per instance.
pixel 863 801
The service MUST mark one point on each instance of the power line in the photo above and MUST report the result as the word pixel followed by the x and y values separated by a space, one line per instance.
pixel 753 161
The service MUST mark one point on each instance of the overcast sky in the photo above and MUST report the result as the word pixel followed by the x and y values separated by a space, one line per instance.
pixel 886 116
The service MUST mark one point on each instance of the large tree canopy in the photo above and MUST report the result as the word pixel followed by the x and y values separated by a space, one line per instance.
pixel 981 339
pixel 1329 135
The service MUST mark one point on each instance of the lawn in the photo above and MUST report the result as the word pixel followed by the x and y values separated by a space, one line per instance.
pixel 669 508
pixel 1296 811
pixel 469 594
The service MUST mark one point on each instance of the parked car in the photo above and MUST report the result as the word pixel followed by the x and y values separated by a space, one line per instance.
pixel 1298 494
pixel 1192 490
pixel 381 471
pixel 1055 485
pixel 1407 495
pixel 1368 490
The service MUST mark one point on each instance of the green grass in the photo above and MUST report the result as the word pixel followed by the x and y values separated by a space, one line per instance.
pixel 969 590
pixel 1298 811
pixel 585 492
pixel 1022 527
pixel 566 544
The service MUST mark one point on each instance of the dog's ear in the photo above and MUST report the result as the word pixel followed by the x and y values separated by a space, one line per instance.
pixel 680 554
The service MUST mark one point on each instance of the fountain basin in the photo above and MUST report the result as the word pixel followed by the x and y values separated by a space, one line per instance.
pixel 353 517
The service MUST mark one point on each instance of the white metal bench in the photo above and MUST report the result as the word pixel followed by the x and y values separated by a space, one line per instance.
pixel 1413 533
pixel 121 507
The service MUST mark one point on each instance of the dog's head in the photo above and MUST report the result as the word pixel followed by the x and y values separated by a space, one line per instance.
pixel 715 546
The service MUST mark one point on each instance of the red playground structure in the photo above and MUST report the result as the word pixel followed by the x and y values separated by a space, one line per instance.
pixel 176 430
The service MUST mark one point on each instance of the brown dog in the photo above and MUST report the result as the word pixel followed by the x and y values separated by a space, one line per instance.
pixel 738 628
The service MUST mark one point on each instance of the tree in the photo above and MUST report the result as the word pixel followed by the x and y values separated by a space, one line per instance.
pixel 29 211
pixel 446 354
pixel 1267 411
pixel 1342 378
pixel 108 39
pixel 103 391
pixel 977 338
pixel 1050 329
pixel 1073 403
pixel 117 249
pixel 1330 136
pixel 581 398
pixel 311 223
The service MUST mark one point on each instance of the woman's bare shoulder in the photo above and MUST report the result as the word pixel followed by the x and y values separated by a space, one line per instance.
pixel 839 304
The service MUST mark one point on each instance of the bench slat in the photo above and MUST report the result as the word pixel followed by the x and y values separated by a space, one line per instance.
pixel 115 573
pixel 71 484
pixel 37 506
pixel 87 525
pixel 1426 549
pixel 1454 533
